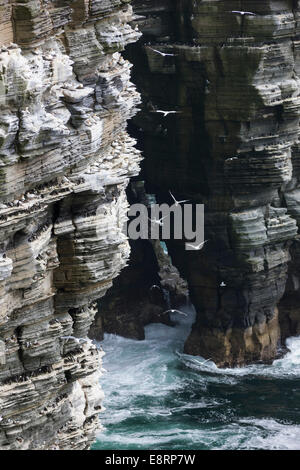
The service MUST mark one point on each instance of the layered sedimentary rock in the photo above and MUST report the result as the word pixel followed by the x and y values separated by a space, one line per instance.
pixel 65 161
pixel 233 144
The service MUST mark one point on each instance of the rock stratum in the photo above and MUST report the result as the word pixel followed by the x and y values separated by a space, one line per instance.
pixel 233 81
pixel 65 161
pixel 232 144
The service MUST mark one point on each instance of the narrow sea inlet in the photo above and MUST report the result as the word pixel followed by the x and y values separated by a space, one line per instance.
pixel 158 398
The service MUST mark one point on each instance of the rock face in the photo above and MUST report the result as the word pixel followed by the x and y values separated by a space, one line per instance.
pixel 65 161
pixel 233 144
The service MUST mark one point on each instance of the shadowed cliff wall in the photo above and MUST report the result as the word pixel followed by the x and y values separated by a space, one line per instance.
pixel 233 145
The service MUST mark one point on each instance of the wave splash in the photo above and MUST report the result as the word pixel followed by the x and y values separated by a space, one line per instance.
pixel 159 398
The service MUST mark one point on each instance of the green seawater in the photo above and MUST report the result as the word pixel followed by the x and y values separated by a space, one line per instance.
pixel 158 398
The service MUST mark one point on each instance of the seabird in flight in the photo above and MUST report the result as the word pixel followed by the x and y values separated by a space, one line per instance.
pixel 164 54
pixel 174 311
pixel 197 247
pixel 165 113
pixel 177 202
pixel 158 221
pixel 243 13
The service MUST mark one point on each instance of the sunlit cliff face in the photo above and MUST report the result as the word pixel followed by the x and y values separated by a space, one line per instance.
pixel 65 161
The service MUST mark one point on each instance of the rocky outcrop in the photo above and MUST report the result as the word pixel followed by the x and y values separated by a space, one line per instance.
pixel 233 144
pixel 65 161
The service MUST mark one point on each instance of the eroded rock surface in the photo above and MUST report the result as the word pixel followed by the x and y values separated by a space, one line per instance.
pixel 65 161
pixel 233 144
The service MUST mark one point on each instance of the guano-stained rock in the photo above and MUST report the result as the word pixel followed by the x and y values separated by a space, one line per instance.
pixel 65 161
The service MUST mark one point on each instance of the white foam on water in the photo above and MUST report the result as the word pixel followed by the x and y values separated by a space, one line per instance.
pixel 271 434
pixel 159 398
pixel 287 366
